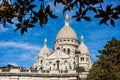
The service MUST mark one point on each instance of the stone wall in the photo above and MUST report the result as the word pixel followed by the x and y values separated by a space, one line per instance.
pixel 15 74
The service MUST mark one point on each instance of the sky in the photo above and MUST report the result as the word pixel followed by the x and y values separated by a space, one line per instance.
pixel 22 50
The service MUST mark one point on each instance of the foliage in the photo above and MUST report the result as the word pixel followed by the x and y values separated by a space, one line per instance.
pixel 27 12
pixel 80 69
pixel 107 67
pixel 9 66
pixel 83 7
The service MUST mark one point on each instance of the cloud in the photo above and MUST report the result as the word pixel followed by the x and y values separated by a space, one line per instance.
pixel 29 55
pixel 12 63
pixel 20 45
pixel 25 56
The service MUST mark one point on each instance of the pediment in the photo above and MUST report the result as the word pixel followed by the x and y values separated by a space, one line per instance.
pixel 58 54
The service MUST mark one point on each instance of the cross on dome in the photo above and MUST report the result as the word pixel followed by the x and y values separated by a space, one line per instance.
pixel 45 42
pixel 82 39
pixel 67 18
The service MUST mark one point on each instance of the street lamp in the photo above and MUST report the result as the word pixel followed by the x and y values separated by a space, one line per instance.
pixel 77 54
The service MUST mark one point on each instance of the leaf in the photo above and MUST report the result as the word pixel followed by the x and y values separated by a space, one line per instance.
pixel 47 10
pixel 53 16
pixel 55 2
pixel 85 11
pixel 35 13
pixel 109 10
pixel 102 13
pixel 97 16
pixel 94 9
pixel 25 23
pixel 19 18
pixel 65 9
pixel 24 29
pixel 74 16
pixel 103 21
pixel 30 25
pixel 78 19
pixel 34 20
pixel 9 20
pixel 115 15
pixel 40 23
pixel 77 13
pixel 18 26
pixel 4 22
pixel 112 22
pixel 86 18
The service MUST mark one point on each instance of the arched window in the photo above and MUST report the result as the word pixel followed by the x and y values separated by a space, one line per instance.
pixel 68 40
pixel 64 50
pixel 64 40
pixel 68 51
pixel 82 58
pixel 58 48
pixel 60 40
pixel 41 61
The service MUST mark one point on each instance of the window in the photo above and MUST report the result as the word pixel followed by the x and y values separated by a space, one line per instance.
pixel 60 40
pixel 72 40
pixel 41 61
pixel 87 59
pixel 64 50
pixel 68 51
pixel 64 40
pixel 68 40
pixel 58 48
pixel 82 58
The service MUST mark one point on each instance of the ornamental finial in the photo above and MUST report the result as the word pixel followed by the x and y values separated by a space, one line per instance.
pixel 82 39
pixel 45 42
pixel 67 19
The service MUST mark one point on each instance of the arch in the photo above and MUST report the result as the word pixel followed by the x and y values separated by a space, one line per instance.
pixel 68 51
pixel 58 63
pixel 64 50
pixel 82 58
pixel 41 61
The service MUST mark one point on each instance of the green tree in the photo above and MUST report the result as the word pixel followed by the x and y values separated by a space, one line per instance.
pixel 107 67
pixel 80 69
pixel 27 12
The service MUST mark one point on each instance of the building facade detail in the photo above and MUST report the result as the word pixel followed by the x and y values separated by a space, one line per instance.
pixel 63 58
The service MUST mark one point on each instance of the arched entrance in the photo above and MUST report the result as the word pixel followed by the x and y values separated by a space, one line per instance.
pixel 57 64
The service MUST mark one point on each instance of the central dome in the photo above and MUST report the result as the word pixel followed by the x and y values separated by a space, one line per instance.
pixel 66 31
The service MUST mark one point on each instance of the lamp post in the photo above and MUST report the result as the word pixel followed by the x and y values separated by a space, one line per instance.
pixel 77 54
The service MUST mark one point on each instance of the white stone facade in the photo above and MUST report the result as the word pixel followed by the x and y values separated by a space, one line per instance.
pixel 67 50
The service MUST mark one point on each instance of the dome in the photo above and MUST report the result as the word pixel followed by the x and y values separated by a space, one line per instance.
pixel 66 31
pixel 82 47
pixel 44 52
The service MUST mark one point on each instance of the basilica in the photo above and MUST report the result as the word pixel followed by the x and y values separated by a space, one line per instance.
pixel 68 53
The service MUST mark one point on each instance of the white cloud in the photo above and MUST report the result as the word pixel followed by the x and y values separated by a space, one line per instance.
pixel 25 56
pixel 12 63
pixel 19 45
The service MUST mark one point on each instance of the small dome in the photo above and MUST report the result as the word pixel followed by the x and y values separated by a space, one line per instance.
pixel 44 52
pixel 82 47
pixel 66 31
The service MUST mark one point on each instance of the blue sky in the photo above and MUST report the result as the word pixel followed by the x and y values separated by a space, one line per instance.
pixel 23 50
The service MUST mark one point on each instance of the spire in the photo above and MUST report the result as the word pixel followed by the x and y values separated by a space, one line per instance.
pixel 67 19
pixel 45 42
pixel 82 39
